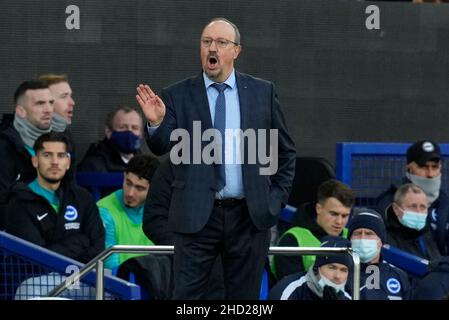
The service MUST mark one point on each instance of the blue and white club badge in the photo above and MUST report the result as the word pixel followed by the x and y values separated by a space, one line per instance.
pixel 428 146
pixel 71 213
pixel 434 215
pixel 393 285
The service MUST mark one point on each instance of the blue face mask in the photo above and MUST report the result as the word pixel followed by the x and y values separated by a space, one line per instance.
pixel 126 141
pixel 326 282
pixel 414 220
pixel 366 249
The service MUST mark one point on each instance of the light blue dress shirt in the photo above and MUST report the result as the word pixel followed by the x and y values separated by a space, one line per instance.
pixel 234 180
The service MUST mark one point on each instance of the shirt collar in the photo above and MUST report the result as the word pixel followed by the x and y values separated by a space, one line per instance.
pixel 230 81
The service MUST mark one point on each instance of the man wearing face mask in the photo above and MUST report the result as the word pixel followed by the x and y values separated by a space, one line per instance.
pixel 424 167
pixel 123 135
pixel 378 279
pixel 406 223
pixel 325 280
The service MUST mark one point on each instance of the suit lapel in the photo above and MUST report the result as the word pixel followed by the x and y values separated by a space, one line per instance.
pixel 200 102
pixel 244 100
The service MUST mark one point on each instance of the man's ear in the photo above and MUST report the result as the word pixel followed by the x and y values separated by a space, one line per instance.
pixel 34 161
pixel 408 168
pixel 318 208
pixel 21 111
pixel 107 132
pixel 237 50
pixel 397 210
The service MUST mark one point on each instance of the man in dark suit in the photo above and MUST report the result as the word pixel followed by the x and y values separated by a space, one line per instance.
pixel 221 208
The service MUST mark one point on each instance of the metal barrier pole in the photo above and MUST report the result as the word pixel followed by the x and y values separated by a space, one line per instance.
pixel 99 291
pixel 99 263
pixel 356 286
pixel 104 255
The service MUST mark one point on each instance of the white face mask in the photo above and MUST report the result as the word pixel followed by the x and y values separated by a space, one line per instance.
pixel 413 220
pixel 431 186
pixel 326 282
pixel 367 249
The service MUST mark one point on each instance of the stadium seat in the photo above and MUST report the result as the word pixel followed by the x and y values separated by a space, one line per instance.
pixel 310 172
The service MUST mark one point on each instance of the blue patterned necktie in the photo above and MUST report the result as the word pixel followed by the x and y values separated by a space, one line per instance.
pixel 220 124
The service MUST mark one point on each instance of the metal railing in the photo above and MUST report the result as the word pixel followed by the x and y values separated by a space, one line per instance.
pixel 98 263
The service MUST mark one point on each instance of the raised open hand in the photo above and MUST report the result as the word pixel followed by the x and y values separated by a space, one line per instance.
pixel 152 106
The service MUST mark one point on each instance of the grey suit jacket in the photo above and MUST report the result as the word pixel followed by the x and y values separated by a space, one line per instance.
pixel 193 188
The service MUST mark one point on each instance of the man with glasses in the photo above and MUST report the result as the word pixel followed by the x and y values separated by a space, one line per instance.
pixel 220 209
pixel 406 223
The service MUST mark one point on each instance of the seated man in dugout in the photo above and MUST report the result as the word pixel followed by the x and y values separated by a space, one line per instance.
pixel 313 221
pixel 63 100
pixel 424 169
pixel 379 280
pixel 123 140
pixel 122 210
pixel 52 211
pixel 406 223
pixel 324 280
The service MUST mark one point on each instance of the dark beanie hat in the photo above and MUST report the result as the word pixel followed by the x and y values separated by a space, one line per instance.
pixel 334 242
pixel 368 219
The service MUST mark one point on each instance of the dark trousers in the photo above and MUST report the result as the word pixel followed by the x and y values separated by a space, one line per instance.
pixel 243 249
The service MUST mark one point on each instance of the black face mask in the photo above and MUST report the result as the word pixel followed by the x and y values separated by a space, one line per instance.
pixel 126 141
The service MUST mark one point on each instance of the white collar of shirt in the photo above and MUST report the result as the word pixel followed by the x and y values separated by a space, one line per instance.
pixel 230 81
pixel 125 160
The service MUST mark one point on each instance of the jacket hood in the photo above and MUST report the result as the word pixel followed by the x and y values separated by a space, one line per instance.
pixel 11 134
pixel 22 192
pixel 312 282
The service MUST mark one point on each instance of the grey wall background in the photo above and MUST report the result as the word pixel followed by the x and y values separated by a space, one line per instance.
pixel 337 81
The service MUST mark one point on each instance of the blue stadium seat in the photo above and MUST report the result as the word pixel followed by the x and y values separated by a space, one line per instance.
pixel 310 172
pixel 95 182
pixel 406 261
pixel 264 288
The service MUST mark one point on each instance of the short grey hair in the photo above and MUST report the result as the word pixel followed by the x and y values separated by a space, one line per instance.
pixel 402 191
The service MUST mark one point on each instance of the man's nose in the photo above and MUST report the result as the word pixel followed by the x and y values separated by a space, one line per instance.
pixel 213 46
pixel 338 276
pixel 131 191
pixel 432 173
pixel 48 108
pixel 339 220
